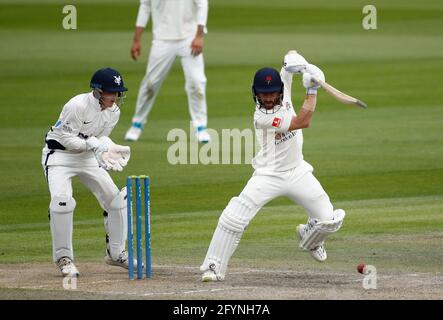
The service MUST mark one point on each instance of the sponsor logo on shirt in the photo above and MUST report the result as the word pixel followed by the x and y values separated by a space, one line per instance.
pixel 66 127
pixel 283 137
pixel 276 123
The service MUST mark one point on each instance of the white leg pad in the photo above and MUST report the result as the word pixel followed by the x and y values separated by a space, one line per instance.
pixel 61 211
pixel 319 231
pixel 231 225
pixel 117 224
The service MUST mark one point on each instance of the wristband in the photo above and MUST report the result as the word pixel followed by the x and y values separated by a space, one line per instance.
pixel 311 91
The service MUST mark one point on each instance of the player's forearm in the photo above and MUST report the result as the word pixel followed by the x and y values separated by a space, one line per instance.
pixel 144 12
pixel 310 103
pixel 304 117
pixel 138 34
pixel 202 12
pixel 73 143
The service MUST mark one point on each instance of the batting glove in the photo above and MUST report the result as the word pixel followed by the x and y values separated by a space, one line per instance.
pixel 312 72
pixel 294 62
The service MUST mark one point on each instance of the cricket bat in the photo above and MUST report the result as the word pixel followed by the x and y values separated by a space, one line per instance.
pixel 340 96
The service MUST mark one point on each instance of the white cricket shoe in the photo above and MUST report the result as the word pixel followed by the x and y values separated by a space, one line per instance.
pixel 319 252
pixel 209 276
pixel 122 260
pixel 134 132
pixel 202 135
pixel 67 267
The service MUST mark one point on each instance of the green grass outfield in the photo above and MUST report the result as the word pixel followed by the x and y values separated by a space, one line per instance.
pixel 383 165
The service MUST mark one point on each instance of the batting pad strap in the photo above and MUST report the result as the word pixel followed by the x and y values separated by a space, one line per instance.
pixel 232 224
pixel 237 215
pixel 62 204
pixel 318 232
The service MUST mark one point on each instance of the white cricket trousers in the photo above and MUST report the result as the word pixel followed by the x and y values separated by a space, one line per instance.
pixel 298 184
pixel 59 178
pixel 96 179
pixel 161 58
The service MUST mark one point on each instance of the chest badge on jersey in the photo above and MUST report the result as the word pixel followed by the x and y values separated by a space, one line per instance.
pixel 276 123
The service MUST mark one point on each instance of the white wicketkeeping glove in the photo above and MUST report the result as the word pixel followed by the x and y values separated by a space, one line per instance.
pixel 117 156
pixel 308 82
pixel 110 156
pixel 99 146
pixel 294 62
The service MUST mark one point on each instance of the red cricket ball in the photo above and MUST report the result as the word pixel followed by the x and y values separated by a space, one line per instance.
pixel 361 268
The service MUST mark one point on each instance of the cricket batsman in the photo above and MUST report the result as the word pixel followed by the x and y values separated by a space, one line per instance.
pixel 280 169
pixel 78 145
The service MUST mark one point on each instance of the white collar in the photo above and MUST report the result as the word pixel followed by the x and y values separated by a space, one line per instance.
pixel 93 101
pixel 96 104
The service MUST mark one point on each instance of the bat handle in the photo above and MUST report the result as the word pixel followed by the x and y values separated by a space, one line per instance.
pixel 316 80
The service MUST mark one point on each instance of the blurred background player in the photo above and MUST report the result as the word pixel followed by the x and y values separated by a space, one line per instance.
pixel 78 146
pixel 178 29
pixel 279 168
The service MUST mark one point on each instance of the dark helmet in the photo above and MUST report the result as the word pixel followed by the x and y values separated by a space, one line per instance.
pixel 108 80
pixel 267 80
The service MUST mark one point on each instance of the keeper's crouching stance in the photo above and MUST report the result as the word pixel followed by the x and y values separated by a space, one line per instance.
pixel 279 169
pixel 78 145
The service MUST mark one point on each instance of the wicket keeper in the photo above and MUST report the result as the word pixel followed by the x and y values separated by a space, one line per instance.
pixel 78 145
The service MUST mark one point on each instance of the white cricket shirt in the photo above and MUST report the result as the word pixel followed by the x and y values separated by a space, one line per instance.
pixel 280 149
pixel 80 118
pixel 173 19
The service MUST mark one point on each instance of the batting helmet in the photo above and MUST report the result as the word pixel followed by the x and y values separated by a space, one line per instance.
pixel 267 80
pixel 109 80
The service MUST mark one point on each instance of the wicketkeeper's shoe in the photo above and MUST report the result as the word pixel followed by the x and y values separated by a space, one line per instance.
pixel 67 267
pixel 209 276
pixel 319 252
pixel 122 260
pixel 134 132
pixel 203 135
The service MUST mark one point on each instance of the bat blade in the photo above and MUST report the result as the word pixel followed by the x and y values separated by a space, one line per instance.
pixel 340 96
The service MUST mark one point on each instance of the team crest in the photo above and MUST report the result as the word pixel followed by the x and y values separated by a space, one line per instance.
pixel 268 80
pixel 117 80
pixel 276 122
